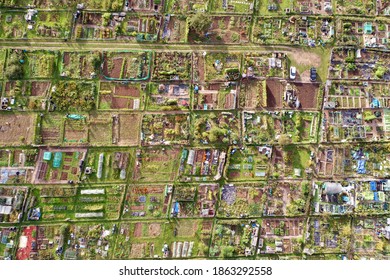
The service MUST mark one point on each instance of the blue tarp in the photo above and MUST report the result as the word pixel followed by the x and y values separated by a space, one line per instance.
pixel 75 117
pixel 357 154
pixel 4 239
pixel 373 186
pixel 376 198
pixel 375 103
pixel 176 207
pixel 361 166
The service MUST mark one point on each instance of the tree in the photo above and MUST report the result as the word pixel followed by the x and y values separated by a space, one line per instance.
pixel 106 19
pixel 215 133
pixel 214 251
pixel 380 72
pixel 305 188
pixel 219 229
pixel 14 72
pixel 199 22
pixel 64 229
pixel 227 251
pixel 95 60
pixel 203 249
pixel 253 192
pixel 351 66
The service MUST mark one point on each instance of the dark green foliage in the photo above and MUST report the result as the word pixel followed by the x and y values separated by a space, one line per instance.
pixel 199 22
pixel 73 96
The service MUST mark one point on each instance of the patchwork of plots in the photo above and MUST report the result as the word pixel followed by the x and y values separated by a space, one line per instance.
pixel 176 152
pixel 193 155
pixel 266 22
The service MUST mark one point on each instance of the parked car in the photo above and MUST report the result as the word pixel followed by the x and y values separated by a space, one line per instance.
pixel 313 74
pixel 293 72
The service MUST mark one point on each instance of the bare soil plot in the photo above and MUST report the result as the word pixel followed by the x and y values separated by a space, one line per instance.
pixel 137 250
pixel 39 88
pixel 9 85
pixel 154 229
pixel 17 129
pixel 137 230
pixel 115 95
pixel 307 94
pixel 115 71
pixel 128 127
pixel 121 103
pixel 275 90
pixel 127 90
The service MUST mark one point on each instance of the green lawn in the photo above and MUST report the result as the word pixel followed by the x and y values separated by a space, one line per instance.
pixel 281 4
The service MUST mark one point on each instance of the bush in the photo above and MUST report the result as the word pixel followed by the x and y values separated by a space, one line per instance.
pixel 380 72
pixel 199 22
pixel 14 72
pixel 106 19
pixel 227 252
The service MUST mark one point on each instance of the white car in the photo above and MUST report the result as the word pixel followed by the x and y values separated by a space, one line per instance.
pixel 293 72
